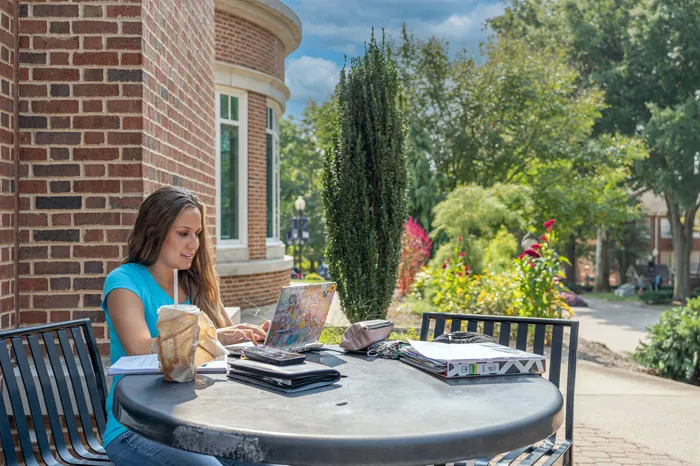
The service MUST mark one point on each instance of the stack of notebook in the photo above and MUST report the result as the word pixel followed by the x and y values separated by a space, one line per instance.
pixel 472 359
pixel 288 379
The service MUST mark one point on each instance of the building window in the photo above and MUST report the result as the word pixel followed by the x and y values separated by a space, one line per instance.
pixel 231 166
pixel 273 175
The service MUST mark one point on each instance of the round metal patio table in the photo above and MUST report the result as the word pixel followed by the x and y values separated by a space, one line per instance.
pixel 382 412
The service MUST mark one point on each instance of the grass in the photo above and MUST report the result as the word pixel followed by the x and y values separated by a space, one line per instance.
pixel 611 297
pixel 333 335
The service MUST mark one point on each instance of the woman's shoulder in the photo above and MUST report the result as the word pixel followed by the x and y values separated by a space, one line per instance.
pixel 130 272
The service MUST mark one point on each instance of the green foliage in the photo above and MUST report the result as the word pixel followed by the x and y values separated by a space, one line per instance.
pixel 476 215
pixel 490 123
pixel 537 272
pixel 657 297
pixel 674 349
pixel 500 252
pixel 364 184
pixel 334 335
pixel 301 163
pixel 645 55
pixel 314 277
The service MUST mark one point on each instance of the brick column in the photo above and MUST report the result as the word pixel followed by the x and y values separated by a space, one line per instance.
pixel 7 163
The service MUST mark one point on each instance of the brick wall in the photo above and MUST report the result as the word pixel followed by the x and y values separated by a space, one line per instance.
pixel 7 163
pixel 80 135
pixel 179 115
pixel 249 291
pixel 248 45
pixel 243 43
pixel 257 176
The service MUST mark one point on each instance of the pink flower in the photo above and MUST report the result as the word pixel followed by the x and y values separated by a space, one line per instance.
pixel 532 253
pixel 549 224
pixel 536 246
pixel 461 254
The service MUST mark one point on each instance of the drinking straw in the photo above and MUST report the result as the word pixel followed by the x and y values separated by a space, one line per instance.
pixel 176 287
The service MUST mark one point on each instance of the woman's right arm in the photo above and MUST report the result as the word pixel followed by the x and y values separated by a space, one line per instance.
pixel 127 314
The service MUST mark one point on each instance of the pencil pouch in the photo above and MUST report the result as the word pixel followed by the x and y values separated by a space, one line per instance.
pixel 360 335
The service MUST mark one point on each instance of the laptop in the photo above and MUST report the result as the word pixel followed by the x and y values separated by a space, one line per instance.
pixel 299 318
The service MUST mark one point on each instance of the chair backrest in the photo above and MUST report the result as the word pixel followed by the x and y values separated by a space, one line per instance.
pixel 527 330
pixel 64 377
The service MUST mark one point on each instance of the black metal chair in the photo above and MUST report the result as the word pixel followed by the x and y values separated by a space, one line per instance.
pixel 66 347
pixel 549 451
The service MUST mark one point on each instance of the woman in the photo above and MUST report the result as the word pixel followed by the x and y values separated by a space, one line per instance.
pixel 169 234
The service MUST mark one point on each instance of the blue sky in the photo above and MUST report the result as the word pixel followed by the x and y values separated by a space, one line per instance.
pixel 332 29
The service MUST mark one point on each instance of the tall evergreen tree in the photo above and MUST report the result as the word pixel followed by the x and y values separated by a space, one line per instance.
pixel 364 184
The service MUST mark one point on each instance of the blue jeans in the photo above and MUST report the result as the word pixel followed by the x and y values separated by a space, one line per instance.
pixel 130 449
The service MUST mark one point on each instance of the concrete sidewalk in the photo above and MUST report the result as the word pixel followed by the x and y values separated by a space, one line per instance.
pixel 618 325
pixel 661 415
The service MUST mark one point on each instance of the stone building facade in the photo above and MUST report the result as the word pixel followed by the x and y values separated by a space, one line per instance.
pixel 102 102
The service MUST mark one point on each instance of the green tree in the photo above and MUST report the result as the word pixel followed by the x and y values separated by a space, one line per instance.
pixel 645 55
pixel 472 217
pixel 301 164
pixel 364 184
pixel 488 124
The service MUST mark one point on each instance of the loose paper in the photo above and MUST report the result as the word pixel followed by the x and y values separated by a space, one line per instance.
pixel 472 352
pixel 148 364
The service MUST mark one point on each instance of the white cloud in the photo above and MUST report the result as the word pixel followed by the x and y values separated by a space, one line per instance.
pixel 345 27
pixel 311 78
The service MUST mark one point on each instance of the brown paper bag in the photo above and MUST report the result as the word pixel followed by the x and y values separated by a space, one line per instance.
pixel 176 345
pixel 209 346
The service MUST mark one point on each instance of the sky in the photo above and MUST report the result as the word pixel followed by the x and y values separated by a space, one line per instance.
pixel 334 29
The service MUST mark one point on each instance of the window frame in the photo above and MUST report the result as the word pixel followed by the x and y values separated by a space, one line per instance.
pixel 242 124
pixel 273 106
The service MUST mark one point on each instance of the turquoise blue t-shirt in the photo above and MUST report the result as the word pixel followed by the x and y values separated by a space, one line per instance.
pixel 137 279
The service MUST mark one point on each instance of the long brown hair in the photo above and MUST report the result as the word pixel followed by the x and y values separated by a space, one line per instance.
pixel 156 216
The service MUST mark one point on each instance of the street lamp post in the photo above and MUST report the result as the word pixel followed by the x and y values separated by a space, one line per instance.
pixel 300 203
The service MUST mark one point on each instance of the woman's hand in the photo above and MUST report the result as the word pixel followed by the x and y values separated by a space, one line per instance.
pixel 243 332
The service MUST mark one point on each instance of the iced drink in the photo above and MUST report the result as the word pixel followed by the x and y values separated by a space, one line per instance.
pixel 178 337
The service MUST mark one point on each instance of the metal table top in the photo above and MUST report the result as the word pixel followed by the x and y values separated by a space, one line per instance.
pixel 381 412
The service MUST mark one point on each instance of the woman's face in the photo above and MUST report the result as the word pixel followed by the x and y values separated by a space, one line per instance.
pixel 182 241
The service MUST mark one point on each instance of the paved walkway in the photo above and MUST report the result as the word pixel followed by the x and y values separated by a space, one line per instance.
pixel 618 325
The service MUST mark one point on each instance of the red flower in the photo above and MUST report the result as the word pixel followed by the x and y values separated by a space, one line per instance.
pixel 459 239
pixel 531 264
pixel 549 224
pixel 521 256
pixel 532 253
pixel 467 269
pixel 444 265
pixel 459 274
pixel 543 238
pixel 536 246
pixel 461 254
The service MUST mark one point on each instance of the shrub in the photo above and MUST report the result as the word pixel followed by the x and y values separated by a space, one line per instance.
pixel 537 273
pixel 453 287
pixel 364 184
pixel 415 252
pixel 674 347
pixel 657 297
pixel 314 277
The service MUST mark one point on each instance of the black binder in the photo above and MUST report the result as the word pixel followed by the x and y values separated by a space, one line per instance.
pixel 287 379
